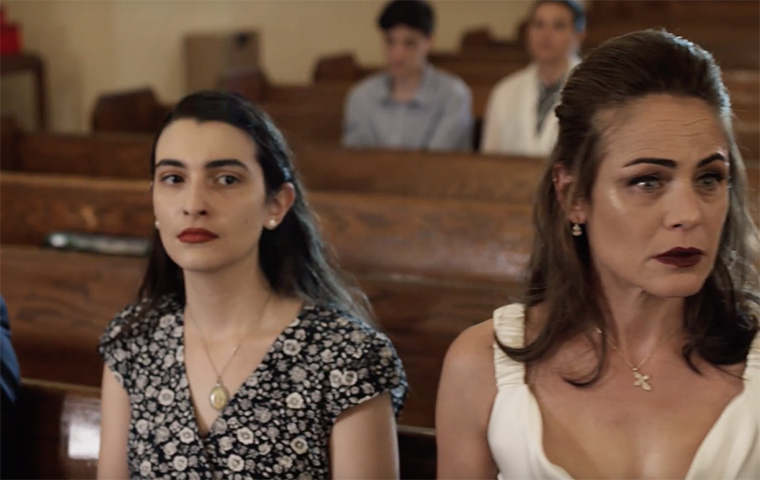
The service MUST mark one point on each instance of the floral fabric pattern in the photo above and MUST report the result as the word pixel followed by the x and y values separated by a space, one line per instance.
pixel 277 425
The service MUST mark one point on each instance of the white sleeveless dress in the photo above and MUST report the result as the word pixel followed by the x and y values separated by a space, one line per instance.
pixel 731 449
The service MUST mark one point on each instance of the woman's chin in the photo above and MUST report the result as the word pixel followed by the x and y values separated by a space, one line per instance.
pixel 678 285
pixel 201 262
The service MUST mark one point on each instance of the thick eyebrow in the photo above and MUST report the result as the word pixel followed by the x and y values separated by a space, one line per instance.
pixel 715 157
pixel 167 162
pixel 226 162
pixel 663 162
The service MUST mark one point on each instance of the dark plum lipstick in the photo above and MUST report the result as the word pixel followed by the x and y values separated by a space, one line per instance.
pixel 681 257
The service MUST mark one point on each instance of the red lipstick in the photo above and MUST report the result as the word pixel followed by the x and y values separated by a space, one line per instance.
pixel 196 235
pixel 681 257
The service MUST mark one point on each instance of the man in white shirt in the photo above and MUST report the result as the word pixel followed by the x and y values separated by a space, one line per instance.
pixel 520 116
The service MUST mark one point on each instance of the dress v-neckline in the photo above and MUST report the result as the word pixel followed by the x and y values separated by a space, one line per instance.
pixel 561 472
pixel 250 381
pixel 538 435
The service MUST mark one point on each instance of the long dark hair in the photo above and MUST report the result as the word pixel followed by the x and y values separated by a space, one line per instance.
pixel 721 320
pixel 293 257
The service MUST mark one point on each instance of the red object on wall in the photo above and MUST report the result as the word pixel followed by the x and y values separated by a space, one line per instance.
pixel 10 36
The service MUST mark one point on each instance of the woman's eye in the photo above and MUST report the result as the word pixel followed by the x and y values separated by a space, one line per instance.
pixel 710 180
pixel 227 180
pixel 647 183
pixel 171 179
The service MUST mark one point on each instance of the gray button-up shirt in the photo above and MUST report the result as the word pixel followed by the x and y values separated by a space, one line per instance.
pixel 439 117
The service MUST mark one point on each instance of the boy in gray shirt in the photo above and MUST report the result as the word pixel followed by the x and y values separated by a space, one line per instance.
pixel 410 105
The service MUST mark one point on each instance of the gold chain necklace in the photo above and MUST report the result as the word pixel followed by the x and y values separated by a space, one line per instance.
pixel 640 379
pixel 219 395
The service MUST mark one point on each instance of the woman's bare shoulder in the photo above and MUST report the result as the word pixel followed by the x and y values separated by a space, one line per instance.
pixel 469 359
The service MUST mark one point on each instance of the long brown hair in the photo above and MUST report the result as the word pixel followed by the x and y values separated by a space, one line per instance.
pixel 721 320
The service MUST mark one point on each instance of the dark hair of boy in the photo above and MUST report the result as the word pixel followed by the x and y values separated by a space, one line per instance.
pixel 416 14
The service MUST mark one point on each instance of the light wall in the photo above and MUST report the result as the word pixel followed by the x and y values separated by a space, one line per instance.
pixel 96 46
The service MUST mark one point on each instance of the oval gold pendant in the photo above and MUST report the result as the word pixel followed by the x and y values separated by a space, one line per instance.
pixel 218 397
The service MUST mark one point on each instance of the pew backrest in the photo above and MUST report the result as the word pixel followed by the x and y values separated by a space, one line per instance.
pixel 475 241
pixel 58 430
pixel 137 111
pixel 60 302
pixel 60 437
pixel 442 175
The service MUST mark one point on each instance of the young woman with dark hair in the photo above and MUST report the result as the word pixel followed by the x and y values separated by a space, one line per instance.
pixel 247 354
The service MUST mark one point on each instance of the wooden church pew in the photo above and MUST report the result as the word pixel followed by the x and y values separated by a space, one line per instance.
pixel 58 430
pixel 61 434
pixel 60 303
pixel 423 240
pixel 474 241
pixel 443 175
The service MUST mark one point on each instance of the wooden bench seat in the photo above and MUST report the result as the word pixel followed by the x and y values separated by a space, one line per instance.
pixel 313 115
pixel 455 176
pixel 485 69
pixel 61 434
pixel 742 82
pixel 137 111
pixel 443 175
pixel 58 430
pixel 116 155
pixel 725 12
pixel 451 175
pixel 309 126
pixel 474 241
pixel 305 127
pixel 60 303
pixel 732 46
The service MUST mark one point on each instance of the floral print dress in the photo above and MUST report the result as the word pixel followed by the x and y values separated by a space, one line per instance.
pixel 277 425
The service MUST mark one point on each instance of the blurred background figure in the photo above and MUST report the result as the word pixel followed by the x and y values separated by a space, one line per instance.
pixel 412 104
pixel 520 115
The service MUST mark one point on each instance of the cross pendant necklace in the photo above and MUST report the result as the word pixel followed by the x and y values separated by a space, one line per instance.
pixel 640 379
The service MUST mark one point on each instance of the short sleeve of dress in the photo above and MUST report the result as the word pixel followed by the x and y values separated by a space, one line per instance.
pixel 116 346
pixel 364 365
